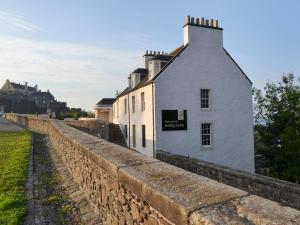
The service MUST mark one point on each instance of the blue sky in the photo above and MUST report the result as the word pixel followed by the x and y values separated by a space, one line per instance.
pixel 84 50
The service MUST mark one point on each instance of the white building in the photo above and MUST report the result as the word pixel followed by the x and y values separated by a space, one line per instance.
pixel 103 109
pixel 195 101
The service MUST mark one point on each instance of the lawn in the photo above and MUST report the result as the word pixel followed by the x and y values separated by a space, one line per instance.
pixel 14 158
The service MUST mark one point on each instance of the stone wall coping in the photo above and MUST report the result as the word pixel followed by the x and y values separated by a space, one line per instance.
pixel 281 191
pixel 180 196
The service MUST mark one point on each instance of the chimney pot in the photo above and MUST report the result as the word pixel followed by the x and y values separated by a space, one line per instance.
pixel 211 22
pixel 206 22
pixel 192 20
pixel 158 53
pixel 162 52
pixel 217 23
pixel 154 52
pixel 188 19
pixel 146 52
pixel 151 52
pixel 198 21
pixel 202 21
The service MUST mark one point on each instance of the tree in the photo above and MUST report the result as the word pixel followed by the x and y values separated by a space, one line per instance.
pixel 277 115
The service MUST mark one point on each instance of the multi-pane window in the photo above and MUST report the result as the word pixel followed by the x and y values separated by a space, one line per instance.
pixel 143 101
pixel 125 106
pixel 126 132
pixel 204 98
pixel 206 134
pixel 133 103
pixel 143 135
pixel 133 136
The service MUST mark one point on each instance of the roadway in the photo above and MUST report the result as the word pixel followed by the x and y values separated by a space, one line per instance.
pixel 6 125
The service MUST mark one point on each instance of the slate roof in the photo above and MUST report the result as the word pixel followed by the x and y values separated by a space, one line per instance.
pixel 162 57
pixel 21 86
pixel 42 94
pixel 106 101
pixel 173 55
pixel 177 50
pixel 140 70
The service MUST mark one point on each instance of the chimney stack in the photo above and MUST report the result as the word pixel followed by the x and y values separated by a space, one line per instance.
pixel 192 33
pixel 201 22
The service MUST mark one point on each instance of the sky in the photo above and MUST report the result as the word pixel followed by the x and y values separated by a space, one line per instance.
pixel 84 50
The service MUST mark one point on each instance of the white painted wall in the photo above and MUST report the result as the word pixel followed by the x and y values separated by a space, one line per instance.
pixel 204 64
pixel 138 118
pixel 104 113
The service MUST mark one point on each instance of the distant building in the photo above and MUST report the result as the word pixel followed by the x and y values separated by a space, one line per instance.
pixel 42 99
pixel 24 99
pixel 195 101
pixel 103 109
pixel 15 88
pixel 2 110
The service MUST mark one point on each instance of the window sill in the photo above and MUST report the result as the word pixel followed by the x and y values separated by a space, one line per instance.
pixel 205 109
pixel 207 148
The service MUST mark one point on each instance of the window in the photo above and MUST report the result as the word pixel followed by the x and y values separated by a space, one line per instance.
pixel 133 136
pixel 162 64
pixel 125 106
pixel 143 135
pixel 206 134
pixel 126 132
pixel 133 103
pixel 143 101
pixel 204 98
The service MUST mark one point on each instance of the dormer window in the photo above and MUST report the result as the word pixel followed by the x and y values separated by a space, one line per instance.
pixel 129 81
pixel 162 64
pixel 137 75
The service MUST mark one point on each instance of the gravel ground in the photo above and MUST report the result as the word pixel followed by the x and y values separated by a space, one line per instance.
pixel 54 197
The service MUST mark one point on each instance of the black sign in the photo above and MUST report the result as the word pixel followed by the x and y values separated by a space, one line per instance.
pixel 174 120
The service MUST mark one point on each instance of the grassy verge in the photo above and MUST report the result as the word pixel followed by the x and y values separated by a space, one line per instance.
pixel 14 157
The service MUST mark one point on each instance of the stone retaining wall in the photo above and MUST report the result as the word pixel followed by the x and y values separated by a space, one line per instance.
pixel 278 190
pixel 96 128
pixel 126 187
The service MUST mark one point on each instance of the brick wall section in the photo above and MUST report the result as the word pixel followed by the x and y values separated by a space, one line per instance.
pixel 278 190
pixel 126 187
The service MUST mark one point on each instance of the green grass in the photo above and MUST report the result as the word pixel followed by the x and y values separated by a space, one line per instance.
pixel 14 158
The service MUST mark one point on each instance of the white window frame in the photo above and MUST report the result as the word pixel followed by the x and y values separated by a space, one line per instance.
pixel 207 147
pixel 209 99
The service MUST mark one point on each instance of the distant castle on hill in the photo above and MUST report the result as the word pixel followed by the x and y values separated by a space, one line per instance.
pixel 15 88
pixel 21 98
